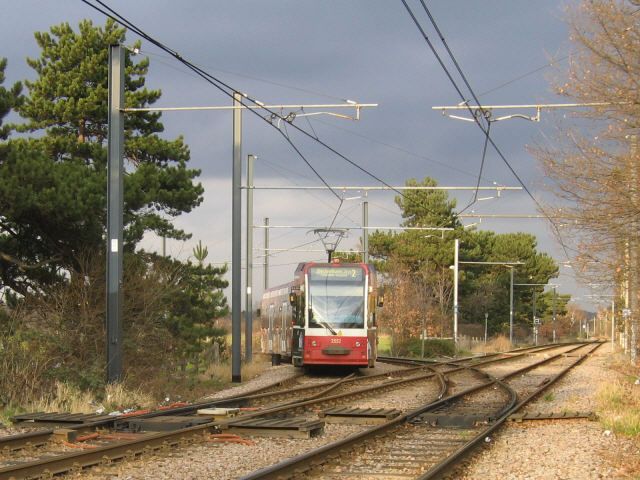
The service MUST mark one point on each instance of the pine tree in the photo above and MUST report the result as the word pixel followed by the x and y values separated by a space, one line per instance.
pixel 53 194
pixel 197 304
pixel 423 258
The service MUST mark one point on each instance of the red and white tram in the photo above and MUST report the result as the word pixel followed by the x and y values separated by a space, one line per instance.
pixel 325 316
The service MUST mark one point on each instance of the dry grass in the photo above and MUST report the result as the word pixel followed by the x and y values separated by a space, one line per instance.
pixel 67 398
pixel 619 400
pixel 118 397
pixel 495 344
pixel 222 371
pixel 619 407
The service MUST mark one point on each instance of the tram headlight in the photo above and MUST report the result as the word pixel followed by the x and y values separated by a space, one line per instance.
pixel 357 343
pixel 314 343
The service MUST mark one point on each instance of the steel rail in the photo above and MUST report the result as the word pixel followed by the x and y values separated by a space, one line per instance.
pixel 341 396
pixel 41 437
pixel 132 448
pixel 509 356
pixel 295 465
pixel 64 462
pixel 417 361
pixel 466 449
pixel 76 461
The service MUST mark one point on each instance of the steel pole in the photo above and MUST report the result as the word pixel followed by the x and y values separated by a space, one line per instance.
pixel 236 243
pixel 365 232
pixel 511 308
pixel 248 314
pixel 627 295
pixel 633 254
pixel 554 315
pixel 266 253
pixel 115 205
pixel 535 328
pixel 486 325
pixel 455 291
pixel 613 323
pixel 422 335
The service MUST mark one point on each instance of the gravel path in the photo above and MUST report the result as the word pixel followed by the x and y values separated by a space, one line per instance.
pixel 562 449
pixel 269 376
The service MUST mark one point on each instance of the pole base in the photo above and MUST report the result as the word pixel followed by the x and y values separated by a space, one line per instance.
pixel 236 379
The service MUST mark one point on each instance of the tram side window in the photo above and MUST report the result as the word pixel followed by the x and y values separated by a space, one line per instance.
pixel 293 301
pixel 299 310
pixel 372 311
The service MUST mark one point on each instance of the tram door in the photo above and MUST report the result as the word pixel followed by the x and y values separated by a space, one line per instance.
pixel 283 328
pixel 297 335
pixel 271 316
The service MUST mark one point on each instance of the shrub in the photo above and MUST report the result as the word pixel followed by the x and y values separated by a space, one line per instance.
pixel 59 335
pixel 433 347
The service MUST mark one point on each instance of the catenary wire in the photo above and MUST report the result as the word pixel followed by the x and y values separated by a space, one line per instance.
pixel 486 131
pixel 275 167
pixel 399 149
pixel 477 121
pixel 525 75
pixel 229 91
pixel 484 155
pixel 250 77
pixel 159 58
pixel 453 58
pixel 201 73
pixel 223 87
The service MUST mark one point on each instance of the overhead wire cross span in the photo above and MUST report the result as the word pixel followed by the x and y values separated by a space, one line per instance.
pixel 465 103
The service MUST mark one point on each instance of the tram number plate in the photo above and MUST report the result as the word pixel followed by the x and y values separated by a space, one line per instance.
pixel 336 340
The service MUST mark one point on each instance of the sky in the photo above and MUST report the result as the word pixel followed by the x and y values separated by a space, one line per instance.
pixel 318 52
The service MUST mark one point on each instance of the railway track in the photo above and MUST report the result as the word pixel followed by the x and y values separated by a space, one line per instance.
pixel 423 443
pixel 110 444
pixel 277 394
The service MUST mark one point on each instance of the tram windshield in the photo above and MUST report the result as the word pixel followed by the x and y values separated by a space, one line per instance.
pixel 336 298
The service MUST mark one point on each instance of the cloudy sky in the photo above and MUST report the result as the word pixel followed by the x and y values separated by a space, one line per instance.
pixel 326 51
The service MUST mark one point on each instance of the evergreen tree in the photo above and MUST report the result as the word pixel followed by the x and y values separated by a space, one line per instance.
pixel 8 98
pixel 420 248
pixel 53 194
pixel 486 288
pixel 425 257
pixel 427 208
pixel 197 304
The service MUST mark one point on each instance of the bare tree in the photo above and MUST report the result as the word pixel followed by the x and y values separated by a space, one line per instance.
pixel 594 166
pixel 416 300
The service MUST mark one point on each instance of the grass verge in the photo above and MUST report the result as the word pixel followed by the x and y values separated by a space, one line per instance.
pixel 221 372
pixel 122 396
pixel 619 407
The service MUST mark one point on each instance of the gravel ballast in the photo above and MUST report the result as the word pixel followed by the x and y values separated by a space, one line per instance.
pixel 560 449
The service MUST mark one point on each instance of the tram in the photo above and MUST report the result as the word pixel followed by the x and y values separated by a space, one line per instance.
pixel 325 316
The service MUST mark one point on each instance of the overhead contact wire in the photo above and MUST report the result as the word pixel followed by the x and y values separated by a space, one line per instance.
pixel 484 154
pixel 475 119
pixel 220 85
